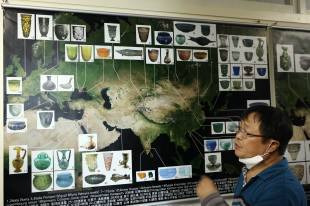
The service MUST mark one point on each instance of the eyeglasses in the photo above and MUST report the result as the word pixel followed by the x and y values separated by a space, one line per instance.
pixel 244 133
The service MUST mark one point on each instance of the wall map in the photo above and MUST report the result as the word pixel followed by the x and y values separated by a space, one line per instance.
pixel 101 108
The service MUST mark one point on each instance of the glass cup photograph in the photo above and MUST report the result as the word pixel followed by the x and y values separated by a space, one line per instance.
pixel 86 52
pixel 26 24
pixel 71 52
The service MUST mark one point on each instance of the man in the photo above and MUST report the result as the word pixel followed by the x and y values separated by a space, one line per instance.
pixel 266 179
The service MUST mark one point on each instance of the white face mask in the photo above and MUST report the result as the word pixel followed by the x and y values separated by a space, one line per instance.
pixel 252 161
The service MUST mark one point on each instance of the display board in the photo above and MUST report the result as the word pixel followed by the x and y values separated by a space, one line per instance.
pixel 292 85
pixel 122 110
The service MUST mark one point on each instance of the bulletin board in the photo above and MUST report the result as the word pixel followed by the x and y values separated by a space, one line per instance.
pixel 122 110
pixel 292 86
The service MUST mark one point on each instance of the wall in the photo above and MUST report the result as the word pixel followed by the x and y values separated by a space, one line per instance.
pixel 229 10
pixel 1 105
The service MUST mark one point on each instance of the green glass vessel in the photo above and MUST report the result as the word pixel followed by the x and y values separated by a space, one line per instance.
pixel 42 181
pixel 42 161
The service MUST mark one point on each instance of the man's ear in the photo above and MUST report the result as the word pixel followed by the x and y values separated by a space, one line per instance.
pixel 274 145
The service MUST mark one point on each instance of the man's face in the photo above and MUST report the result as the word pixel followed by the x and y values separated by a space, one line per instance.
pixel 247 145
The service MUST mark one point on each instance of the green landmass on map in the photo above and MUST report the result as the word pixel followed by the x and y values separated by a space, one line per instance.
pixel 148 99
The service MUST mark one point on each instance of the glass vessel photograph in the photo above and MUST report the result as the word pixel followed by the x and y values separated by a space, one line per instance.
pixel 26 25
pixel 87 53
pixel 43 26
pixel 71 52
